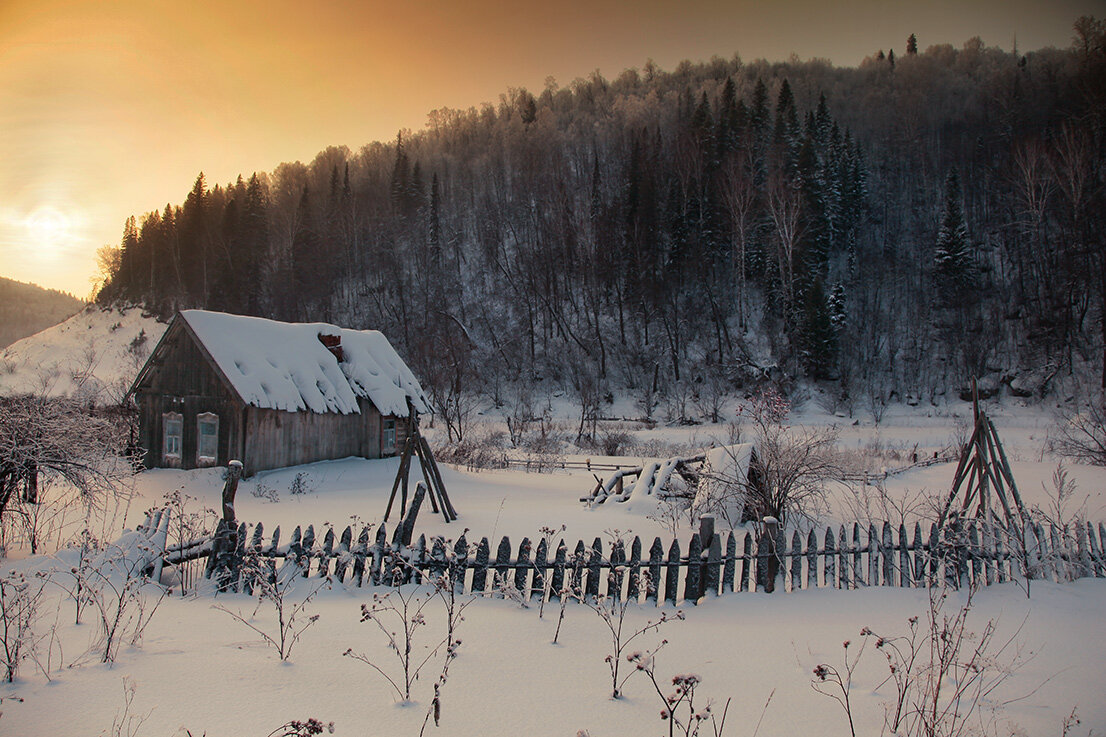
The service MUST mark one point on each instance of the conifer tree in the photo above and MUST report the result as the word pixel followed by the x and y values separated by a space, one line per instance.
pixel 955 268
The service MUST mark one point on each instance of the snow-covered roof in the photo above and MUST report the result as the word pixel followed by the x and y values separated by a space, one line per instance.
pixel 285 366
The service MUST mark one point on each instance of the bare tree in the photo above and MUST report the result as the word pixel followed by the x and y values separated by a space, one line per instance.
pixel 59 439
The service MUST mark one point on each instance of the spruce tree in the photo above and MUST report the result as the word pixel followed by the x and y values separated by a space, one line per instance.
pixel 955 270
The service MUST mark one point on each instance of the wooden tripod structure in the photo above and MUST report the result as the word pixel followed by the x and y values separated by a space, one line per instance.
pixel 416 447
pixel 983 467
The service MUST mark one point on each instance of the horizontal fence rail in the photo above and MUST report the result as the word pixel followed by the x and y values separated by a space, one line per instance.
pixel 961 554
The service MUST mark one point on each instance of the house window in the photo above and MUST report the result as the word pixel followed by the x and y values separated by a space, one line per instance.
pixel 172 431
pixel 207 445
pixel 388 444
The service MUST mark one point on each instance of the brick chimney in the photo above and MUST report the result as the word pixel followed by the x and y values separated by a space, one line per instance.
pixel 333 344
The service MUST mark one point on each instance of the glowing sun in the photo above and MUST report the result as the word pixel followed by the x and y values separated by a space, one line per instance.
pixel 46 226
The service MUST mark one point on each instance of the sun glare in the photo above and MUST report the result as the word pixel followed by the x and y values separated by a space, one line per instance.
pixel 46 226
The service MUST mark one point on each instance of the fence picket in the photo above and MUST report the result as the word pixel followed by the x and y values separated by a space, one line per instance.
pixel 730 566
pixel 537 583
pixel 1083 556
pixel 437 564
pixel 887 555
pixel 829 576
pixel 418 561
pixel 1095 552
pixel 501 577
pixel 480 569
pixel 595 559
pixel 617 569
pixel 308 545
pixel 522 569
pixel 746 562
pixel 557 584
pixel 633 586
pixel 341 562
pixel 712 573
pixel 656 556
pixel 672 577
pixel 796 562
pixel 906 567
pixel 693 580
pixel 359 552
pixel 873 556
pixel 812 560
pixel 326 553
pixel 857 572
pixel 378 548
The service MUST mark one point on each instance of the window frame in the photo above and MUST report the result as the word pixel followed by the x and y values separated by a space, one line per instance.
pixel 203 459
pixel 168 419
pixel 385 432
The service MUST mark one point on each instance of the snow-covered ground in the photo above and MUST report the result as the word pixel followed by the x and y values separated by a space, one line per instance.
pixel 198 671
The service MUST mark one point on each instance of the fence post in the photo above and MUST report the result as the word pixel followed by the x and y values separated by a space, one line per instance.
pixel 223 560
pixel 768 555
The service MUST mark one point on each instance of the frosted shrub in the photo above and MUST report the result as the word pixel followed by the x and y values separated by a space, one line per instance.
pixel 789 471
pixel 943 673
pixel 296 728
pixel 276 588
pixel 19 602
pixel 266 492
pixel 400 617
pixel 124 599
pixel 680 711
pixel 301 484
pixel 1082 435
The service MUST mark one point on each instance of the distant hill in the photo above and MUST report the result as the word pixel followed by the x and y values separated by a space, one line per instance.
pixel 93 355
pixel 25 309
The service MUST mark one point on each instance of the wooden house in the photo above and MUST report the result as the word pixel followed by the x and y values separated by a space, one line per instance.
pixel 219 387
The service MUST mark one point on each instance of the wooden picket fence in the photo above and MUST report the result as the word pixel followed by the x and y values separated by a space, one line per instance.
pixel 968 553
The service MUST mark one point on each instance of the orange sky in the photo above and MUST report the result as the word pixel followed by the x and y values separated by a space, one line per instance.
pixel 109 109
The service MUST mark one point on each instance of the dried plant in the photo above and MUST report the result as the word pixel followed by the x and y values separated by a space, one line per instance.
pixel 292 618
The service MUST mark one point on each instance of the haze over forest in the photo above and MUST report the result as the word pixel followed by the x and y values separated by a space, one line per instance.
pixel 891 229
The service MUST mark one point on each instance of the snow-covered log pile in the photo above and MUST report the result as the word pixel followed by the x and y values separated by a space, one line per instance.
pixel 713 482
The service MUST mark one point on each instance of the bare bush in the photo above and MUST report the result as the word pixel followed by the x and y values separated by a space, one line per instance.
pixel 482 447
pixel 188 521
pixel 790 467
pixel 943 672
pixel 123 597
pixel 1082 435
pixel 20 599
pixel 680 711
pixel 276 587
pixel 127 723
pixel 400 616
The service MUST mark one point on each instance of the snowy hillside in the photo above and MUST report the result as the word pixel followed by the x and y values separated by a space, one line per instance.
pixel 95 354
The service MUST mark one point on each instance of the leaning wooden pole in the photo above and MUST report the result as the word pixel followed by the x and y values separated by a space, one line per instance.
pixel 401 478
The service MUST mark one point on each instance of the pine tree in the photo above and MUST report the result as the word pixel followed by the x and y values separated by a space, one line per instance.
pixel 912 45
pixel 955 269
pixel 819 338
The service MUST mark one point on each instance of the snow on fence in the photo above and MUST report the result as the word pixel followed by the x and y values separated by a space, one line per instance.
pixel 853 556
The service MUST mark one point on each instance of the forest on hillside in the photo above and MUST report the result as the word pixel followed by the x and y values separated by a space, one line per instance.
pixel 888 231
pixel 25 309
